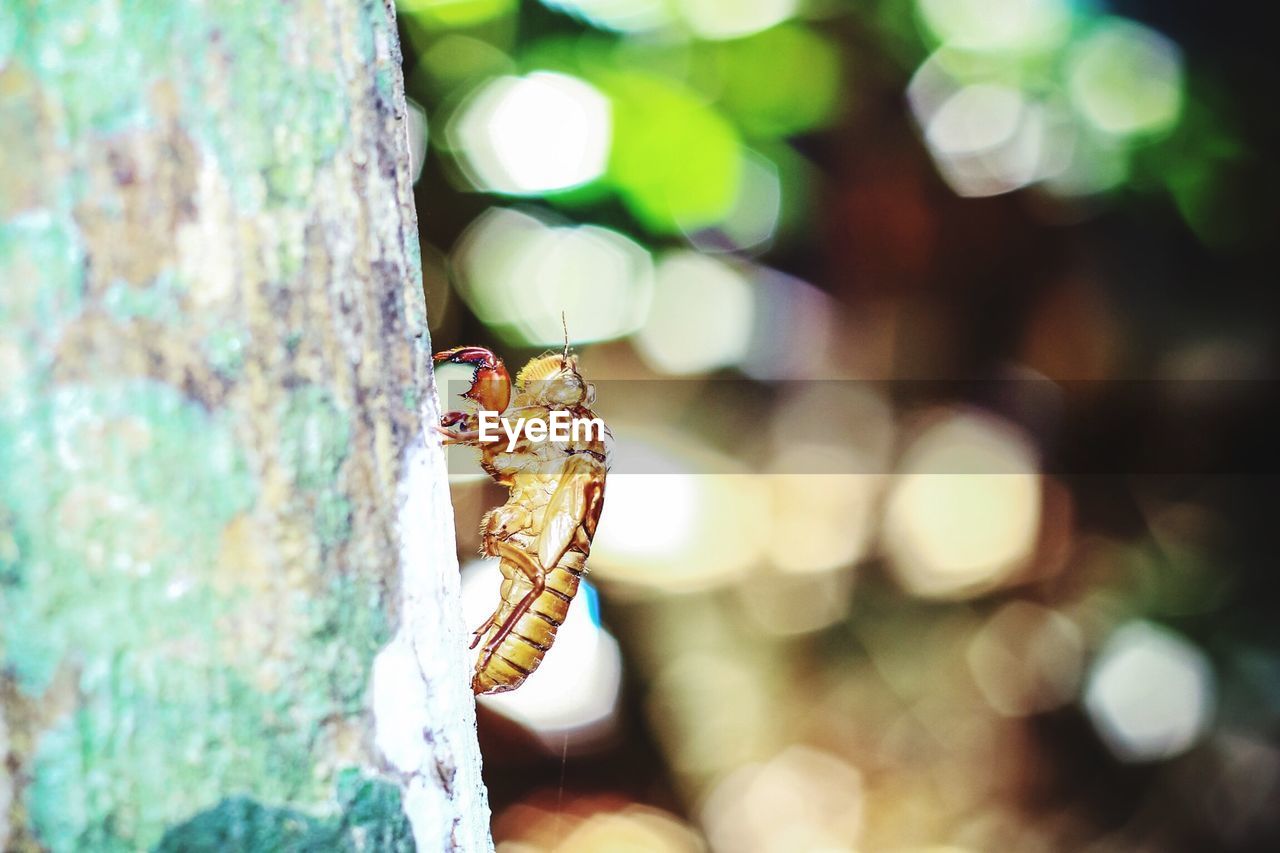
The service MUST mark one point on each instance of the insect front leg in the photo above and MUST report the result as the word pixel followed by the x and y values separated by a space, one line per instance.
pixel 490 384
pixel 458 437
pixel 458 428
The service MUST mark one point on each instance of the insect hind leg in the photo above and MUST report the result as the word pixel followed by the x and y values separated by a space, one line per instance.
pixel 478 633
pixel 537 577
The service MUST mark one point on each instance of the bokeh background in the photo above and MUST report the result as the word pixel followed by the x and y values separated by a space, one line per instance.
pixel 937 338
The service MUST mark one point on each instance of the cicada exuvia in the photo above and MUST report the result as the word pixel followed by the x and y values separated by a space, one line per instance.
pixel 543 533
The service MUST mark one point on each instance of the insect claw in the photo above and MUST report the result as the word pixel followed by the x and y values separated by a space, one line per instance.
pixel 491 384
pixel 450 437
pixel 477 356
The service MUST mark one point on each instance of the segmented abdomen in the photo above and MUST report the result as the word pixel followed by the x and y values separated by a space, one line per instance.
pixel 519 654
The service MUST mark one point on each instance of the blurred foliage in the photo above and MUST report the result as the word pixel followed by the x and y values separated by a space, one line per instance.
pixel 998 275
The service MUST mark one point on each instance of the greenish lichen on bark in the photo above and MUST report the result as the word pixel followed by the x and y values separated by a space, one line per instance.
pixel 213 367
pixel 370 819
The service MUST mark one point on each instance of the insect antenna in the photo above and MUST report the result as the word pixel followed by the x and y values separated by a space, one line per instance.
pixel 565 324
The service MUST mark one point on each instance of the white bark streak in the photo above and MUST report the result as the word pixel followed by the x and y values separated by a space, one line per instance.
pixel 425 713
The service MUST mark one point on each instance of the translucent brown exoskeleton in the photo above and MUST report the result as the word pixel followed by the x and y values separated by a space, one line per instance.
pixel 543 533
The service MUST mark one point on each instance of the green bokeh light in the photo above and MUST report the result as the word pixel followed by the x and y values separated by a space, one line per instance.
pixel 779 82
pixel 676 162
pixel 998 26
pixel 456 13
pixel 1095 89
pixel 1126 79
pixel 618 15
pixel 454 59
pixel 726 19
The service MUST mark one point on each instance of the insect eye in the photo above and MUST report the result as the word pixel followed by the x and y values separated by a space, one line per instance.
pixel 570 386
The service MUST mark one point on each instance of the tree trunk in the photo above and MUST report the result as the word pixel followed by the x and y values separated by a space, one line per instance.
pixel 218 502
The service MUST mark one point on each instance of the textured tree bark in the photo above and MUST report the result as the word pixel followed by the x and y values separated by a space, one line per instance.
pixel 218 502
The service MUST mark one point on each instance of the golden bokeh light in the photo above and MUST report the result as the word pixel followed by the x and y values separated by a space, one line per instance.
pixel 963 511
pixel 1027 659
pixel 701 315
pixel 822 521
pixel 710 711
pixel 802 799
pixel 526 277
pixel 674 520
